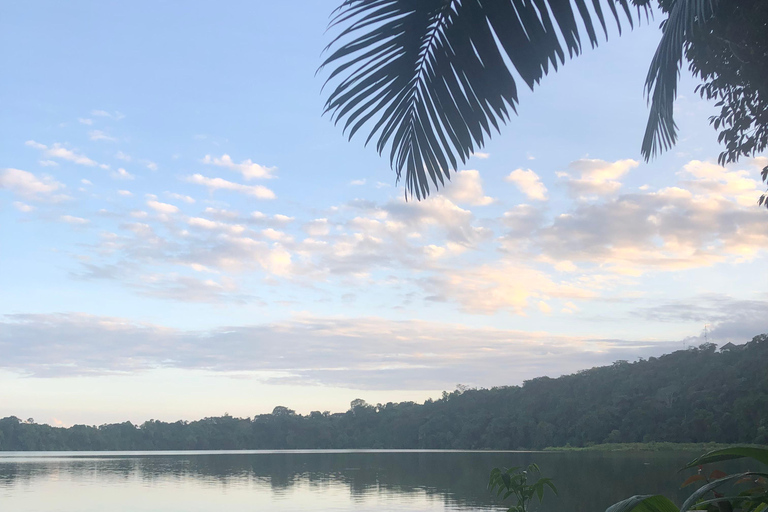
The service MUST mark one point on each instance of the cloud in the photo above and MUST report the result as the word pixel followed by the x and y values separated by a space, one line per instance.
pixel 529 183
pixel 704 220
pixel 507 264
pixel 596 178
pixel 467 187
pixel 729 319
pixel 69 219
pixel 126 193
pixel 30 186
pixel 213 184
pixel 200 222
pixel 23 207
pixel 716 182
pixel 117 116
pixel 183 288
pixel 247 168
pixel 181 197
pixel 48 163
pixel 152 166
pixel 368 353
pixel 482 156
pixel 122 156
pixel 97 135
pixel 85 121
pixel 317 227
pixel 357 182
pixel 122 174
pixel 505 286
pixel 59 151
pixel 162 207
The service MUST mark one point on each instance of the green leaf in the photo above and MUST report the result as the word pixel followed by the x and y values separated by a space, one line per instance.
pixel 701 491
pixel 737 452
pixel 644 503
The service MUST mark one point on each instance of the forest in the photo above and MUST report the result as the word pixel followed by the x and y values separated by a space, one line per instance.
pixel 701 394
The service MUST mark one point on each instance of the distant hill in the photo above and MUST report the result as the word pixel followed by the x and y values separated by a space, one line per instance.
pixel 696 395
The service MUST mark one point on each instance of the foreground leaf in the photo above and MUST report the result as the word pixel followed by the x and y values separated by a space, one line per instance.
pixel 737 452
pixel 644 503
pixel 430 80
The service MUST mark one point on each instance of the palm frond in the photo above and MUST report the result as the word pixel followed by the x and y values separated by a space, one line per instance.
pixel 432 79
pixel 661 82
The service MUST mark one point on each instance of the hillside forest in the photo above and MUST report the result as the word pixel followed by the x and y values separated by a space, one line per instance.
pixel 701 394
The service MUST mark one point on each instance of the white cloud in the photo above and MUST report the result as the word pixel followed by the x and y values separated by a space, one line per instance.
pixel 369 353
pixel 126 193
pixel 117 116
pixel 23 207
pixel 181 197
pixel 162 207
pixel 122 174
pixel 28 185
pixel 48 163
pixel 482 156
pixel 529 183
pixel 122 156
pixel 357 182
pixel 276 235
pixel 69 219
pixel 213 184
pixel 86 182
pixel 200 222
pixel 467 187
pixel 717 182
pixel 708 218
pixel 596 178
pixel 283 219
pixel 152 166
pixel 504 286
pixel 97 135
pixel 317 227
pixel 58 151
pixel 247 168
pixel 85 121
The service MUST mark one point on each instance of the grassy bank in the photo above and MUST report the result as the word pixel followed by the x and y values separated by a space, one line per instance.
pixel 641 447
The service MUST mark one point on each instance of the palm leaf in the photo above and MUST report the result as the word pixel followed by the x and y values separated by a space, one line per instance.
pixel 701 491
pixel 735 452
pixel 661 81
pixel 644 503
pixel 432 79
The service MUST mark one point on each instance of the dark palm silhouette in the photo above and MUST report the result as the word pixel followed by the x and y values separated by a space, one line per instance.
pixel 431 79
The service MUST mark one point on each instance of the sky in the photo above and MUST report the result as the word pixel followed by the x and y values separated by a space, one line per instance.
pixel 184 234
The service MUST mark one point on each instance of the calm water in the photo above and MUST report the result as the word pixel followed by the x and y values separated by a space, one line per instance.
pixel 321 481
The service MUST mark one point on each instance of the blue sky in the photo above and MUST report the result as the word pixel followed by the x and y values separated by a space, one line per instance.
pixel 184 233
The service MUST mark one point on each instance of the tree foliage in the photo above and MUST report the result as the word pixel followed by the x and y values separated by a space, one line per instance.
pixel 695 395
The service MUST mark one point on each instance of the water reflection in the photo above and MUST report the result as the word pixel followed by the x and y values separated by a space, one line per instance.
pixel 322 481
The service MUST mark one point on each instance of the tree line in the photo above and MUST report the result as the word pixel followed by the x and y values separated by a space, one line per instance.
pixel 701 394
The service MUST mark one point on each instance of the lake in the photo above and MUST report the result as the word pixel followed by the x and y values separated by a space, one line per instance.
pixel 321 481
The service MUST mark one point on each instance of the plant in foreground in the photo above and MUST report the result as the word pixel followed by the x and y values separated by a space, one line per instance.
pixel 514 482
pixel 709 497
